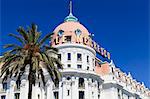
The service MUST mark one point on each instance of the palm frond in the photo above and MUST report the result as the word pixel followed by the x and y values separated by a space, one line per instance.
pixel 11 45
pixel 34 27
pixel 44 39
pixel 50 48
pixel 37 36
pixel 18 38
pixel 12 51
pixel 22 71
pixel 58 63
pixel 7 64
pixel 5 76
pixel 23 33
pixel 14 70
pixel 42 76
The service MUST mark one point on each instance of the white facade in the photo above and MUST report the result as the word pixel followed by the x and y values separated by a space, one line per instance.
pixel 78 78
pixel 84 75
pixel 91 86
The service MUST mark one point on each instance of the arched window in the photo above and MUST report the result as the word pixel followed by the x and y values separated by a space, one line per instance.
pixel 38 96
pixel 4 86
pixel 78 32
pixel 18 82
pixel 60 33
pixel 56 84
pixel 87 59
pixel 68 78
pixel 81 83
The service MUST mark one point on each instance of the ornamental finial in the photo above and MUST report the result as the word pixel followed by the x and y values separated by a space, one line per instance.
pixel 70 6
pixel 70 17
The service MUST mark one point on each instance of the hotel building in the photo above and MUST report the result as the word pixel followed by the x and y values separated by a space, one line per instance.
pixel 85 76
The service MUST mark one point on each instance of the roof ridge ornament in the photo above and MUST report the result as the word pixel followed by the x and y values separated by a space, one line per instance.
pixel 70 17
pixel 70 8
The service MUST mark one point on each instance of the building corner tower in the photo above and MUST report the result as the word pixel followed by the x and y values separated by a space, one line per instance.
pixel 79 78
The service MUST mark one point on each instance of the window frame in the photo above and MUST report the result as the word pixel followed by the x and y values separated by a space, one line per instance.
pixel 69 56
pixel 79 66
pixel 79 57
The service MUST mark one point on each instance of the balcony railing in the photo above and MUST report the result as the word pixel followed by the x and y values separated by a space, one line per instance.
pixel 79 59
pixel 81 86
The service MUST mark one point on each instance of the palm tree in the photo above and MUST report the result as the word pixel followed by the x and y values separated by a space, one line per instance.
pixel 30 53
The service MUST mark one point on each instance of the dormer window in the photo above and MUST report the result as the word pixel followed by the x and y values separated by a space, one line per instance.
pixel 78 32
pixel 68 38
pixel 60 33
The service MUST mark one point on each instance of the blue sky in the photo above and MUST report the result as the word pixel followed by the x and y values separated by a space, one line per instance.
pixel 120 26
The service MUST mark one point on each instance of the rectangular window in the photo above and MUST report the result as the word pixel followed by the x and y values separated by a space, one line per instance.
pixel 68 92
pixel 56 84
pixel 55 95
pixel 3 97
pixel 39 84
pixel 4 86
pixel 87 67
pixel 17 95
pixel 93 62
pixel 59 57
pixel 98 96
pixel 38 76
pixel 87 59
pixel 68 38
pixel 38 96
pixel 69 56
pixel 18 82
pixel 128 97
pixel 79 57
pixel 112 70
pixel 79 66
pixel 69 65
pixel 81 94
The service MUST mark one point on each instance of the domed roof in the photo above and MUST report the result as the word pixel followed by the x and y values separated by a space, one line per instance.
pixel 71 26
pixel 71 29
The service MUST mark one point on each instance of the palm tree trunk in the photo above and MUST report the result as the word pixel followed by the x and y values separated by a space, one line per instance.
pixel 30 86
pixel 30 78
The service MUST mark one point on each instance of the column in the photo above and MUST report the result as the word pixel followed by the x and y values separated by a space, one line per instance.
pixel 90 88
pixel 34 92
pixel 74 91
pixel 107 93
pixel 60 90
pixel 95 90
pixel 24 89
pixel 11 90
pixel 86 88
pixel 43 93
pixel 64 87
pixel 49 91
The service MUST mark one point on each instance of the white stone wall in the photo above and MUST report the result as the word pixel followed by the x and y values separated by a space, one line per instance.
pixel 74 50
pixel 91 89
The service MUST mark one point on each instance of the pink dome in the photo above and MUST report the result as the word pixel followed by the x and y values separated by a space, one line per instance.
pixel 71 29
pixel 71 26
